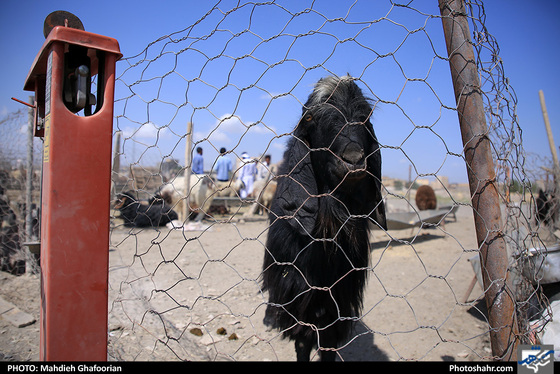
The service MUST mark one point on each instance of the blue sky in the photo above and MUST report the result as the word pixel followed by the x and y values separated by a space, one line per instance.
pixel 242 86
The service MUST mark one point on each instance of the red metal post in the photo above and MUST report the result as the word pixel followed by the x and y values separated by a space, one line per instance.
pixel 75 191
pixel 482 180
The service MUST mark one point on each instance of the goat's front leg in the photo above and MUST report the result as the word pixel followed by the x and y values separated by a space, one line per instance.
pixel 328 355
pixel 303 349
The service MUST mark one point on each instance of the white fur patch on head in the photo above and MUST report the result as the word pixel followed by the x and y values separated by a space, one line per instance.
pixel 326 86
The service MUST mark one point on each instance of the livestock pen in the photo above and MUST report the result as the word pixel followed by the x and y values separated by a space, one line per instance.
pixel 236 77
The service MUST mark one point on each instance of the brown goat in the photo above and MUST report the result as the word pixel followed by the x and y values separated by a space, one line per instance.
pixel 426 198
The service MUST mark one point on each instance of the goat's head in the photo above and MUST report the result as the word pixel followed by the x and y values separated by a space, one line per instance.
pixel 123 200
pixel 334 151
pixel 336 128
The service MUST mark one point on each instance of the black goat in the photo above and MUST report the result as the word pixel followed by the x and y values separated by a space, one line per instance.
pixel 135 214
pixel 329 190
pixel 546 207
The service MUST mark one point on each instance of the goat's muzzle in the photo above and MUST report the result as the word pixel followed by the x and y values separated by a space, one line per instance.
pixel 354 161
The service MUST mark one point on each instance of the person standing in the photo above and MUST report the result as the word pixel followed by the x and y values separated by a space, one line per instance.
pixel 264 171
pixel 248 173
pixel 198 162
pixel 223 166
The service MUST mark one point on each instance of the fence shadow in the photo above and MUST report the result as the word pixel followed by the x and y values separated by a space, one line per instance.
pixel 479 310
pixel 362 348
pixel 381 244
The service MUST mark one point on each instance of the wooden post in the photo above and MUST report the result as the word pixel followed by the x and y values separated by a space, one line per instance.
pixel 116 161
pixel 29 175
pixel 188 167
pixel 550 141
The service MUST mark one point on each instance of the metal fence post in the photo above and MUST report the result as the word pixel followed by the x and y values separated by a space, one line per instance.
pixel 482 180
pixel 75 194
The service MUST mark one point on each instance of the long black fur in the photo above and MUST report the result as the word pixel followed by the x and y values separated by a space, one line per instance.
pixel 546 207
pixel 136 214
pixel 329 192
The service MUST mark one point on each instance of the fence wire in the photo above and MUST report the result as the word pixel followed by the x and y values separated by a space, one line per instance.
pixel 240 75
pixel 15 161
pixel 233 84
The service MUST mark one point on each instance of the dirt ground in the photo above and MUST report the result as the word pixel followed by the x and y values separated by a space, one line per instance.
pixel 194 295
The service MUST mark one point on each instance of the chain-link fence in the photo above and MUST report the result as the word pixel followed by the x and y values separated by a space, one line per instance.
pixel 233 84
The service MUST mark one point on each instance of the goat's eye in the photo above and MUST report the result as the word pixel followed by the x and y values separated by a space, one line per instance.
pixel 308 117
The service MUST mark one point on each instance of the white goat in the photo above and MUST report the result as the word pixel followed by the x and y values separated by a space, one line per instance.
pixel 202 192
pixel 264 193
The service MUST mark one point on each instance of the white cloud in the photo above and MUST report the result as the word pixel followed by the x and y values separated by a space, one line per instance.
pixel 229 128
pixel 147 131
pixel 281 146
pixel 262 129
pixel 230 124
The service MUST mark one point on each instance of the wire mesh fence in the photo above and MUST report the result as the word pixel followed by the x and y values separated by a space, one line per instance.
pixel 20 174
pixel 187 285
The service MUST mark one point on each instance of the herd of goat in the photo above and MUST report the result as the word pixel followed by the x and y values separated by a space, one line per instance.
pixel 168 203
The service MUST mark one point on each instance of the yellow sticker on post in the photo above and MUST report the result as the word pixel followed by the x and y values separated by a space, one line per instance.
pixel 47 138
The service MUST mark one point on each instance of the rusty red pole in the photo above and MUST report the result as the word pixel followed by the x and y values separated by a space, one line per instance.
pixel 75 191
pixel 482 181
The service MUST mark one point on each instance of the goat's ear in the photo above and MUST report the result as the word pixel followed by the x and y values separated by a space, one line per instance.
pixel 378 214
pixel 376 207
pixel 296 194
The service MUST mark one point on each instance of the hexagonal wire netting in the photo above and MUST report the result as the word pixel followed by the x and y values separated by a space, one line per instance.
pixel 237 78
